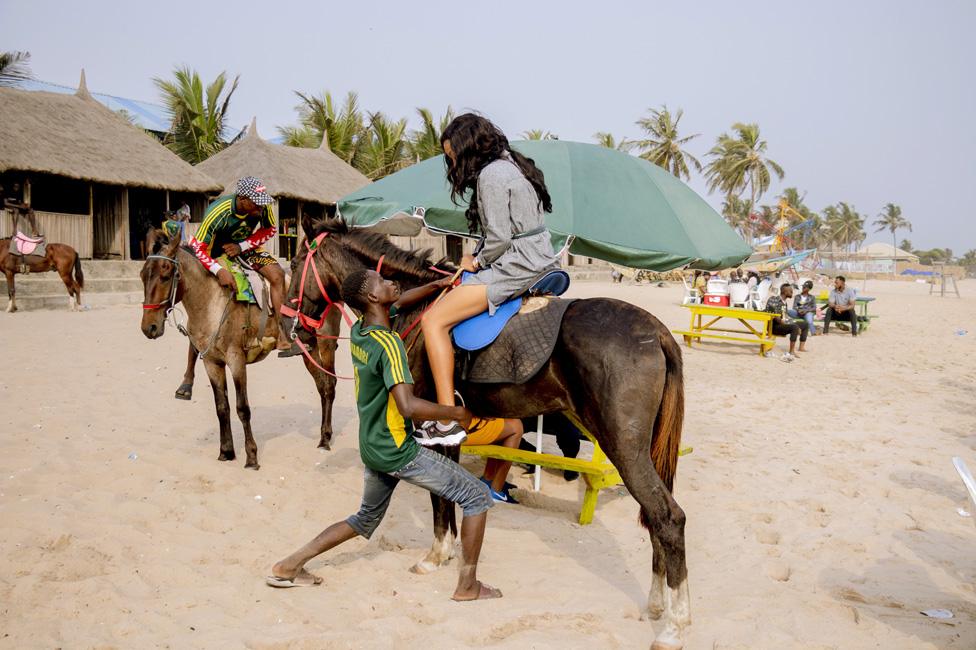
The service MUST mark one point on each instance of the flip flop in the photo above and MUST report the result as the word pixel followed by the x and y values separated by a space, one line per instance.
pixel 286 583
pixel 485 592
pixel 185 391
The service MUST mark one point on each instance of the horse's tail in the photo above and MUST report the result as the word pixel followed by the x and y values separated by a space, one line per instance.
pixel 79 274
pixel 670 416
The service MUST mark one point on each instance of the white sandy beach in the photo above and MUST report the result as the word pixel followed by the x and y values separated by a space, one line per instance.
pixel 821 502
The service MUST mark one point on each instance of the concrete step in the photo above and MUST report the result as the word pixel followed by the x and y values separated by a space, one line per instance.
pixel 59 302
pixel 39 284
pixel 111 268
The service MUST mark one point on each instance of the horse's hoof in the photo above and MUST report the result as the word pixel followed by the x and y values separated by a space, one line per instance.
pixel 667 640
pixel 424 567
pixel 225 456
pixel 185 391
pixel 253 466
pixel 325 445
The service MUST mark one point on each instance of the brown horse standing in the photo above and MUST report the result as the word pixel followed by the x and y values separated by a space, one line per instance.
pixel 614 365
pixel 59 257
pixel 222 328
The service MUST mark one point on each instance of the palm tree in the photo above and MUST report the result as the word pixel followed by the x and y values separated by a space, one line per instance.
pixel 663 146
pixel 197 114
pixel 890 219
pixel 538 134
pixel 607 140
pixel 906 245
pixel 846 225
pixel 382 148
pixel 740 162
pixel 320 117
pixel 969 259
pixel 425 142
pixel 736 213
pixel 14 68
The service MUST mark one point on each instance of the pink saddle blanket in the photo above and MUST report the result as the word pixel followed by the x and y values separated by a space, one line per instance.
pixel 25 245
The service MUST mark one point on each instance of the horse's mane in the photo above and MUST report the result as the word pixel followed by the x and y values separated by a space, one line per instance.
pixel 371 246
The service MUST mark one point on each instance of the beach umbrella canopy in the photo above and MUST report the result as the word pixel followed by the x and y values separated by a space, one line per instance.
pixel 606 204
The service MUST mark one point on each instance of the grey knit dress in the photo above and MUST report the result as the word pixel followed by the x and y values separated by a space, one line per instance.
pixel 507 207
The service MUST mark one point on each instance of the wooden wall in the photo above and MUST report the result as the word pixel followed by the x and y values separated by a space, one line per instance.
pixel 75 230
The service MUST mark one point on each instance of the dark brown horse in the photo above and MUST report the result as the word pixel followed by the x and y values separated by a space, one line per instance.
pixel 614 365
pixel 225 331
pixel 59 257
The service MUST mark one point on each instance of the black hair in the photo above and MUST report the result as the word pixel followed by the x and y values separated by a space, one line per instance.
pixel 842 278
pixel 354 290
pixel 808 284
pixel 785 285
pixel 475 143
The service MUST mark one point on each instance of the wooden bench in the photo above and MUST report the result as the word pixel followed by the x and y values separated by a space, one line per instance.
pixel 598 472
pixel 761 334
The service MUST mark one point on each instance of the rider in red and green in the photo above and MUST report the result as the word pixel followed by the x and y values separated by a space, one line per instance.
pixel 238 224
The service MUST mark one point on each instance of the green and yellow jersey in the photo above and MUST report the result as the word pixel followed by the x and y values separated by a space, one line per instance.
pixel 222 225
pixel 379 362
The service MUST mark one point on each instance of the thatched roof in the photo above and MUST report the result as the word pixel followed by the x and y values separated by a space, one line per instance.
pixel 316 175
pixel 77 137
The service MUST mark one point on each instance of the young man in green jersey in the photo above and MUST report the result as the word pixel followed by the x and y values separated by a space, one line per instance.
pixel 386 404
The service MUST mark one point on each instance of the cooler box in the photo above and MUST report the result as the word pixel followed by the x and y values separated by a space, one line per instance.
pixel 717 299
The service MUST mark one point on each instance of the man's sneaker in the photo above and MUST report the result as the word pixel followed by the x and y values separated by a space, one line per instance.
pixel 432 433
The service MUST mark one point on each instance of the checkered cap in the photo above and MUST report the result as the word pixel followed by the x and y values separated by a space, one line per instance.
pixel 254 189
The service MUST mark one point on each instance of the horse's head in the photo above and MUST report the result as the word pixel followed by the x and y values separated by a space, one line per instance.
pixel 328 264
pixel 160 281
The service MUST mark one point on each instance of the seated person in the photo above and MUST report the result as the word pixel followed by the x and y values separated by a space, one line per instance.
pixel 840 305
pixel 496 431
pixel 805 306
pixel 507 202
pixel 701 282
pixel 783 325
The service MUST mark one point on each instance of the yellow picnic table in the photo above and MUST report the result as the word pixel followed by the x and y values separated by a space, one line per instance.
pixel 760 333
pixel 598 473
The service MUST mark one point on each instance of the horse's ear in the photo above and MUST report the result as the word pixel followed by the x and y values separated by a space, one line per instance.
pixel 308 226
pixel 154 240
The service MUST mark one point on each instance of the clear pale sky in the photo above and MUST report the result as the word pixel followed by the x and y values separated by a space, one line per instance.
pixel 865 102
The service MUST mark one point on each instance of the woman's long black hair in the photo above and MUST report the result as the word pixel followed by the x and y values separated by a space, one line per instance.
pixel 476 142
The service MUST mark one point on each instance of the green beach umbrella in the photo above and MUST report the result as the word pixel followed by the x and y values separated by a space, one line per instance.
pixel 606 204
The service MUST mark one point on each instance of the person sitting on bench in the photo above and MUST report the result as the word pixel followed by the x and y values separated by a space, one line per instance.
pixel 840 305
pixel 782 323
pixel 496 431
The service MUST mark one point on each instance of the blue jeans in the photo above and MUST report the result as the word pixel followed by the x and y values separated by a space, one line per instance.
pixel 433 472
pixel 808 317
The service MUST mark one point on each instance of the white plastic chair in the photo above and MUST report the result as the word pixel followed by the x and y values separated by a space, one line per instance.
pixel 760 294
pixel 739 294
pixel 692 297
pixel 968 481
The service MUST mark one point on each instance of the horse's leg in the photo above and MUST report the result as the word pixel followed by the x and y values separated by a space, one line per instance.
pixel 325 383
pixel 69 284
pixel 218 381
pixel 11 291
pixel 445 530
pixel 185 391
pixel 238 370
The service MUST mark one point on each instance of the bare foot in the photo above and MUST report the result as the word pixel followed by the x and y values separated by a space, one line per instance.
pixel 484 592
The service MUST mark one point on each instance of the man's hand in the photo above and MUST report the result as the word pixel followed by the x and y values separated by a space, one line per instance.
pixel 468 264
pixel 232 250
pixel 225 279
pixel 443 283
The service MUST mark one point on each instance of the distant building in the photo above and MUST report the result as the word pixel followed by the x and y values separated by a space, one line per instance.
pixel 873 258
pixel 95 181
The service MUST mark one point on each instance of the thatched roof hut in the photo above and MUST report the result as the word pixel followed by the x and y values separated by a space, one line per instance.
pixel 76 137
pixel 301 180
pixel 96 182
pixel 298 173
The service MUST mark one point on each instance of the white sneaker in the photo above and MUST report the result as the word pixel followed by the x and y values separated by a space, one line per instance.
pixel 788 358
pixel 432 433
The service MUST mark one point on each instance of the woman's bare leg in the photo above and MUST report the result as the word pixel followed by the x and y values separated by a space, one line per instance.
pixel 456 305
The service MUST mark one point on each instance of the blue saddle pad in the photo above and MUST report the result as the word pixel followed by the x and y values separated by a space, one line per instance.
pixel 481 331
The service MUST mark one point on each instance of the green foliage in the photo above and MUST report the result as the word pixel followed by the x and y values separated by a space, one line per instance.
pixel 425 142
pixel 197 113
pixel 906 245
pixel 607 140
pixel 382 149
pixel 342 125
pixel 663 145
pixel 935 255
pixel 739 162
pixel 14 68
pixel 968 260
pixel 538 134
pixel 846 225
